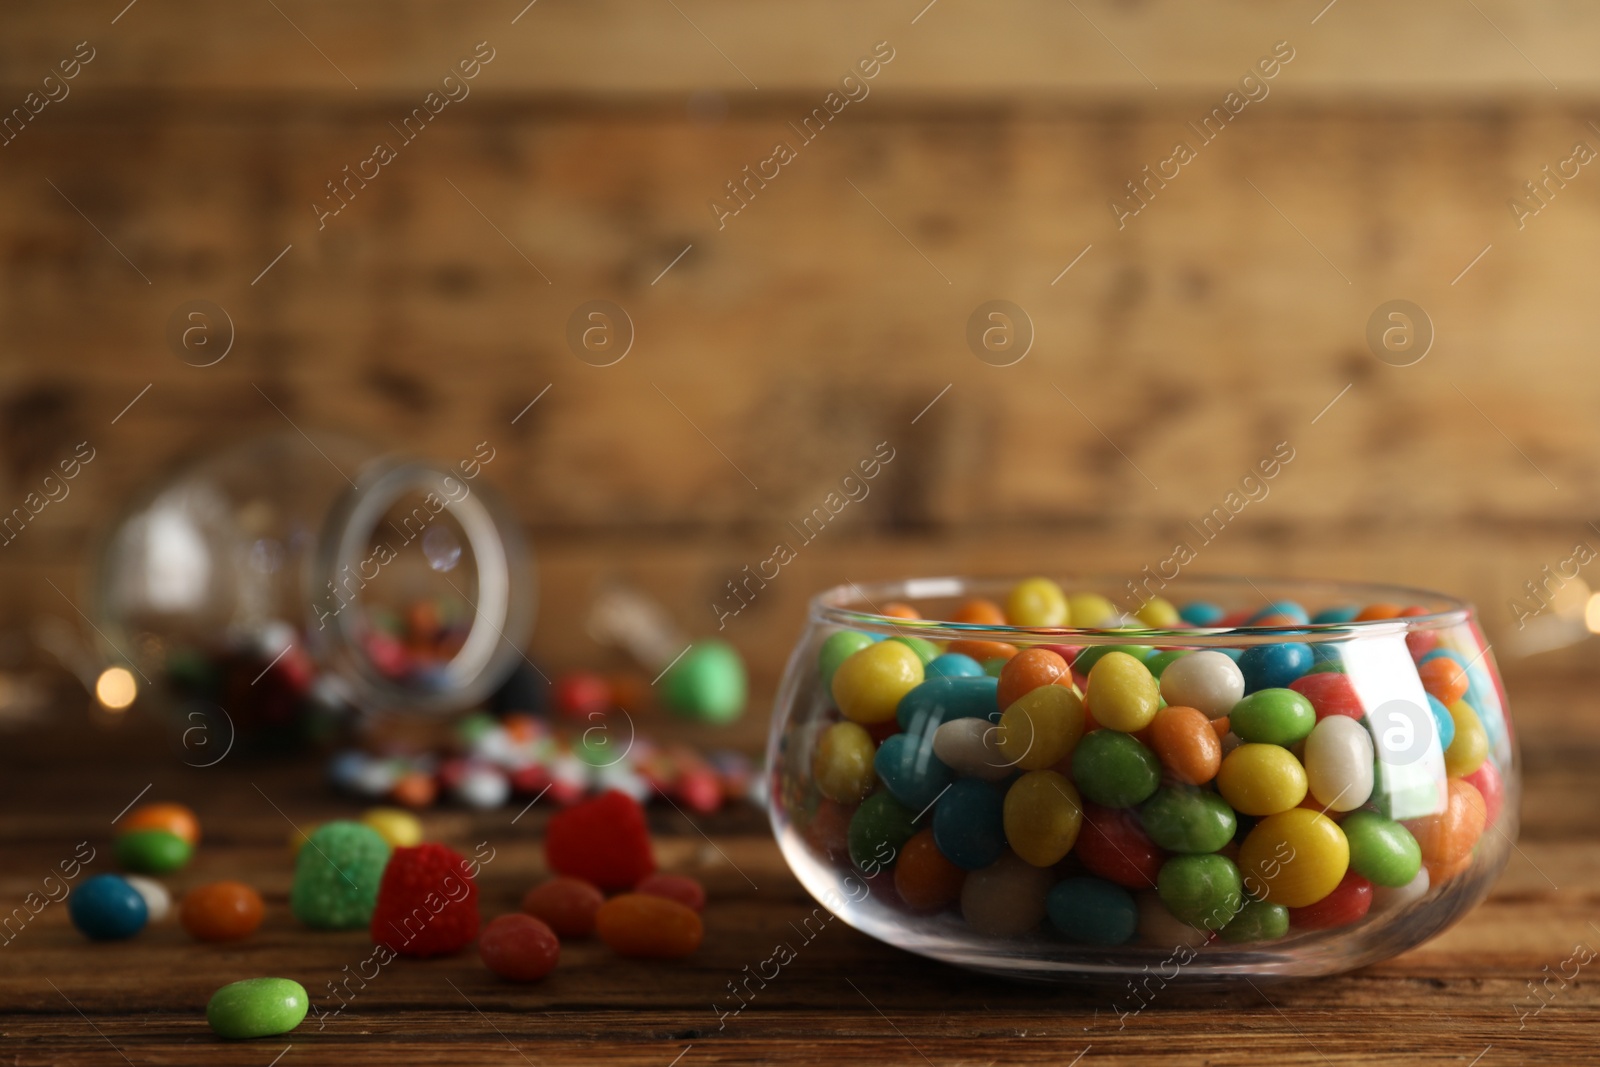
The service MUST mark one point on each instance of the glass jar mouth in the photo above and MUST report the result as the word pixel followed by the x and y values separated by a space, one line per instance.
pixel 1441 610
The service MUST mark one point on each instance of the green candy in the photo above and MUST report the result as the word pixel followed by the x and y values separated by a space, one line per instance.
pixel 152 851
pixel 1093 911
pixel 1273 717
pixel 707 683
pixel 926 650
pixel 1162 660
pixel 878 831
pixel 257 1007
pixel 1258 920
pixel 993 667
pixel 1203 891
pixel 1114 769
pixel 1181 818
pixel 1094 653
pixel 1381 850
pixel 336 876
pixel 835 650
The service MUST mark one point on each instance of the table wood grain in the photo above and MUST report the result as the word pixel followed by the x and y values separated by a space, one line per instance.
pixel 1462 999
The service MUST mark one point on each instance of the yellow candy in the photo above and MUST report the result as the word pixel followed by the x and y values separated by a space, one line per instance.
pixel 1037 602
pixel 1158 614
pixel 1294 858
pixel 400 828
pixel 1471 745
pixel 1042 816
pixel 1040 728
pixel 1123 694
pixel 843 763
pixel 869 684
pixel 1261 780
pixel 1090 610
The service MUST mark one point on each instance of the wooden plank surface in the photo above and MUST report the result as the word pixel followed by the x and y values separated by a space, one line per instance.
pixel 845 997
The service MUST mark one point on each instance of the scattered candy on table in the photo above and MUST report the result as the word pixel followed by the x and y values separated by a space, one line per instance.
pixel 519 947
pixel 643 926
pixel 603 841
pixel 107 908
pixel 157 898
pixel 1111 791
pixel 336 876
pixel 427 902
pixel 566 905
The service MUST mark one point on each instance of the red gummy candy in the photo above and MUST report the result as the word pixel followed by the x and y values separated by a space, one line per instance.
pixel 427 902
pixel 1330 693
pixel 604 841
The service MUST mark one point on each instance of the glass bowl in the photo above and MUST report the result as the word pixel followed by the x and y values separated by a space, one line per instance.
pixel 1237 778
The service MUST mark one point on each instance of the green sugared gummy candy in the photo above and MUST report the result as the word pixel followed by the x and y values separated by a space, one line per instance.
pixel 257 1007
pixel 1258 920
pixel 707 684
pixel 152 851
pixel 336 876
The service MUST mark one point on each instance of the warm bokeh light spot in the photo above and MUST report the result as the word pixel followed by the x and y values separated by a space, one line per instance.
pixel 115 688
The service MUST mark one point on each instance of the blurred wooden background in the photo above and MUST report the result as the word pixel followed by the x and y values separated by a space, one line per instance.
pixel 830 313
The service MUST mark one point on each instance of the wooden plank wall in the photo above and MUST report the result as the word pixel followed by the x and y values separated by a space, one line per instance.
pixel 828 314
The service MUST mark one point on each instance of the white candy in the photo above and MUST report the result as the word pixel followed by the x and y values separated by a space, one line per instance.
pixel 483 788
pixel 1209 682
pixel 1338 759
pixel 1386 899
pixel 1005 899
pixel 157 901
pixel 968 747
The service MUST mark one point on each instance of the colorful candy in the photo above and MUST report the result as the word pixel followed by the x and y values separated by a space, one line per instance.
pixel 1042 814
pixel 880 826
pixel 1273 717
pixel 1114 769
pixel 1092 911
pixel 869 684
pixel 907 767
pixel 107 908
pixel 1381 850
pixel 641 926
pixel 1123 694
pixel 221 911
pixel 1182 818
pixel 1037 602
pixel 519 947
pixel 604 841
pixel 157 898
pixel 567 905
pixel 1040 729
pixel 1338 763
pixel 1260 779
pixel 1030 669
pixel 152 851
pixel 1188 748
pixel 925 880
pixel 427 902
pixel 1470 746
pixel 257 1007
pixel 336 876
pixel 843 763
pixel 969 824
pixel 173 818
pixel 970 748
pixel 1203 891
pixel 1005 898
pixel 1294 858
pixel 398 827
pixel 680 887
pixel 1207 681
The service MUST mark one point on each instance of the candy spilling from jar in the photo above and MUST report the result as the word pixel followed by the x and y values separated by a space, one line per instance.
pixel 1138 793
pixel 495 762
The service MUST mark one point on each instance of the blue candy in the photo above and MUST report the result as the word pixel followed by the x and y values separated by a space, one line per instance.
pixel 108 908
pixel 1093 911
pixel 1287 608
pixel 969 824
pixel 938 700
pixel 1343 614
pixel 1201 613
pixel 1442 719
pixel 953 665
pixel 910 771
pixel 1273 666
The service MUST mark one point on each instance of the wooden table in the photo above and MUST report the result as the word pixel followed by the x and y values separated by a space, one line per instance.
pixel 845 999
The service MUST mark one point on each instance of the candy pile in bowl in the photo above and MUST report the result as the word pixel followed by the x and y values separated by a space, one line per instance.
pixel 1032 782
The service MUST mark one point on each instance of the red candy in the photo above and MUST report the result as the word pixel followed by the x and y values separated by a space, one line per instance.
pixel 580 695
pixel 683 889
pixel 1113 845
pixel 427 902
pixel 566 905
pixel 1330 693
pixel 1348 902
pixel 1487 781
pixel 519 947
pixel 604 841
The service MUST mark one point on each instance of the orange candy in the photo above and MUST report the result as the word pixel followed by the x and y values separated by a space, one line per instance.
pixel 1444 679
pixel 173 818
pixel 415 790
pixel 1447 839
pixel 1188 747
pixel 1379 611
pixel 898 610
pixel 646 927
pixel 566 905
pixel 1220 726
pixel 221 911
pixel 980 613
pixel 982 650
pixel 1027 671
pixel 925 880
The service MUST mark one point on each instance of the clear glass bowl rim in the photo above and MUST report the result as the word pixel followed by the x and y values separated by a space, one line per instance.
pixel 1444 611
